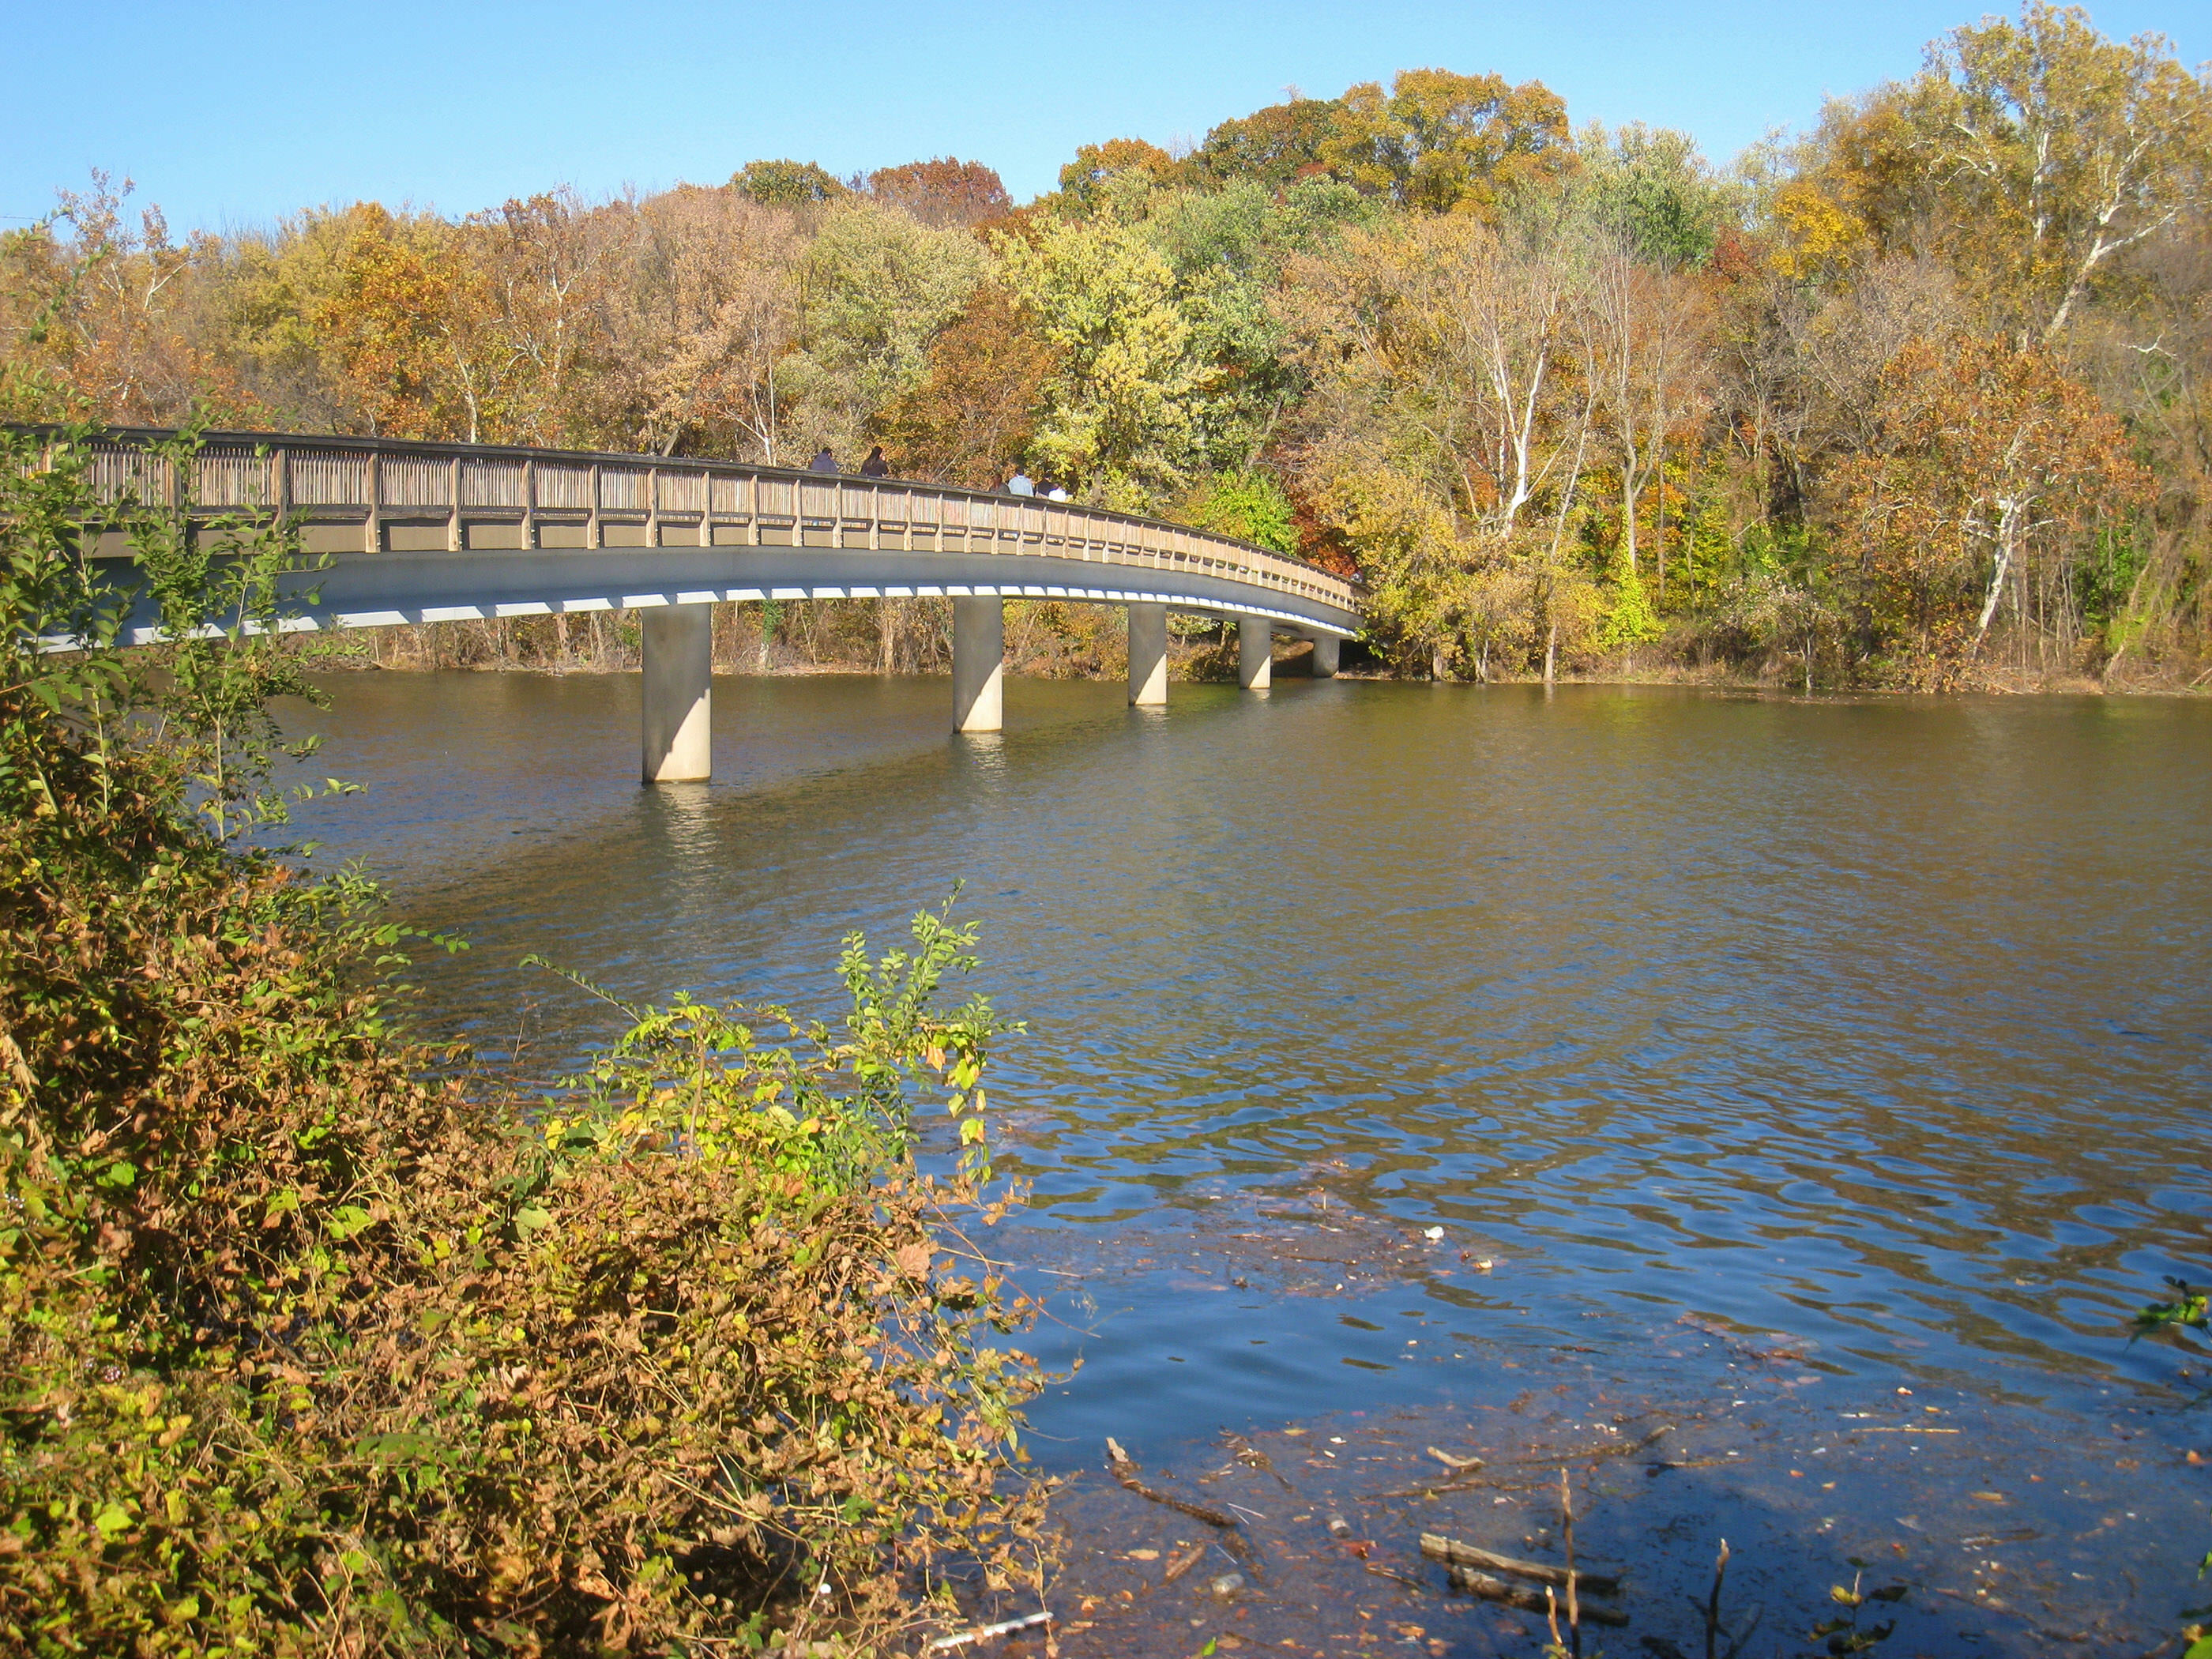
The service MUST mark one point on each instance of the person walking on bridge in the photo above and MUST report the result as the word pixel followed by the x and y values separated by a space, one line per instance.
pixel 876 466
pixel 824 462
pixel 1019 484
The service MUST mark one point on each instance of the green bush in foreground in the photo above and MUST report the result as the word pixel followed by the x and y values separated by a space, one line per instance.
pixel 299 1352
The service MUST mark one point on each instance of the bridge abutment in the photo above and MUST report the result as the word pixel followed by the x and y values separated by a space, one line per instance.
pixel 1326 647
pixel 1148 655
pixel 679 714
pixel 1255 653
pixel 979 650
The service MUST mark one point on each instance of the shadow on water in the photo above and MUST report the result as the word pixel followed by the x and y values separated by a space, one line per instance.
pixel 1876 1024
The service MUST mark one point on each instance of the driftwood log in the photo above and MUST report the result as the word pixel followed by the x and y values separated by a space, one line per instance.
pixel 1437 1547
pixel 1472 1582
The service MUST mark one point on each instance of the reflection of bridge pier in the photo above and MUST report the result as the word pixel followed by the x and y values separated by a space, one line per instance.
pixel 410 532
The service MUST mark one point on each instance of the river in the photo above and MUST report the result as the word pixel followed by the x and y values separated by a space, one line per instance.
pixel 1799 1051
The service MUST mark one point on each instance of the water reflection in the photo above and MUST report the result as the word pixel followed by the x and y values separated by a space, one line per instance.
pixel 1879 1023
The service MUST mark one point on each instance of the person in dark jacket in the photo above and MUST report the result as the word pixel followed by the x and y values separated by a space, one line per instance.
pixel 825 462
pixel 876 466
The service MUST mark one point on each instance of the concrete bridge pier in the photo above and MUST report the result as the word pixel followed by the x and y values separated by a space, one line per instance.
pixel 1324 656
pixel 1148 655
pixel 679 695
pixel 1255 653
pixel 979 650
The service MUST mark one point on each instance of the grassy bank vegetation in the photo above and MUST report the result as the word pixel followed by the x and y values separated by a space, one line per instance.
pixel 1916 397
pixel 301 1350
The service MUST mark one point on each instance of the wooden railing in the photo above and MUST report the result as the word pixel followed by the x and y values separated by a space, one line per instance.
pixel 380 495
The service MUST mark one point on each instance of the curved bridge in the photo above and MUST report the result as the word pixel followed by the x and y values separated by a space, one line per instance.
pixel 418 532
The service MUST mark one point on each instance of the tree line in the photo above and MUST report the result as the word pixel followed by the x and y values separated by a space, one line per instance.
pixel 1917 398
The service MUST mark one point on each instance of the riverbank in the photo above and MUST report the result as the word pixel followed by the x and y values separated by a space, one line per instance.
pixel 1057 640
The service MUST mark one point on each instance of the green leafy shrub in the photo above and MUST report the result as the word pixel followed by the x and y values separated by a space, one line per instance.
pixel 301 1353
pixel 1249 505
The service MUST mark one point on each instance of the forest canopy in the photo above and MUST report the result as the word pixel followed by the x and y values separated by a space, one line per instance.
pixel 1918 398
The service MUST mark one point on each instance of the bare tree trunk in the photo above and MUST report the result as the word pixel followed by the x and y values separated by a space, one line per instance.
pixel 1551 646
pixel 2008 535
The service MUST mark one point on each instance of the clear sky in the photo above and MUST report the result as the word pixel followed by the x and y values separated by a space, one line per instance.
pixel 233 114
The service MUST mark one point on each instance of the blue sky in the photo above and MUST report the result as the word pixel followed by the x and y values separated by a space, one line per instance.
pixel 231 115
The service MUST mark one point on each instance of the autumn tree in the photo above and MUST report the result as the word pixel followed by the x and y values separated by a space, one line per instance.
pixel 1442 351
pixel 1081 180
pixel 1444 143
pixel 705 307
pixel 969 419
pixel 404 319
pixel 551 259
pixel 1129 366
pixel 1651 187
pixel 1991 458
pixel 787 184
pixel 1276 146
pixel 1646 351
pixel 98 316
pixel 876 288
pixel 942 193
pixel 2057 150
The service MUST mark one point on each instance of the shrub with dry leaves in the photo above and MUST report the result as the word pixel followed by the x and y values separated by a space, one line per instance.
pixel 303 1352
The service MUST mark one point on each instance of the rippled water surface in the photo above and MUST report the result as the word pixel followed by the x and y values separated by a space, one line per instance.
pixel 1883 1025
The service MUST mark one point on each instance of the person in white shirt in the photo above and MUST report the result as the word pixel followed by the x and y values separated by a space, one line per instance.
pixel 1019 484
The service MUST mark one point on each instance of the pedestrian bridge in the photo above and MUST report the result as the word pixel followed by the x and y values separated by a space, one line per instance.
pixel 416 532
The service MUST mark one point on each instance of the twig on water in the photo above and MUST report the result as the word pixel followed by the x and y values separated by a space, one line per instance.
pixel 1713 1602
pixel 985 1633
pixel 1125 1470
pixel 1183 1563
pixel 1574 1602
pixel 1381 1571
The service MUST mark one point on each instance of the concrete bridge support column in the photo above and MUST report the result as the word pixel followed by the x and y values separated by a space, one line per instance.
pixel 979 650
pixel 1324 656
pixel 1148 655
pixel 1255 653
pixel 679 697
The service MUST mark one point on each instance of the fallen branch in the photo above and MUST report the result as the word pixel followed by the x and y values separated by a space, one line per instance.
pixel 1611 1449
pixel 1462 1473
pixel 1381 1571
pixel 1437 1547
pixel 1482 1584
pixel 985 1633
pixel 1123 1469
